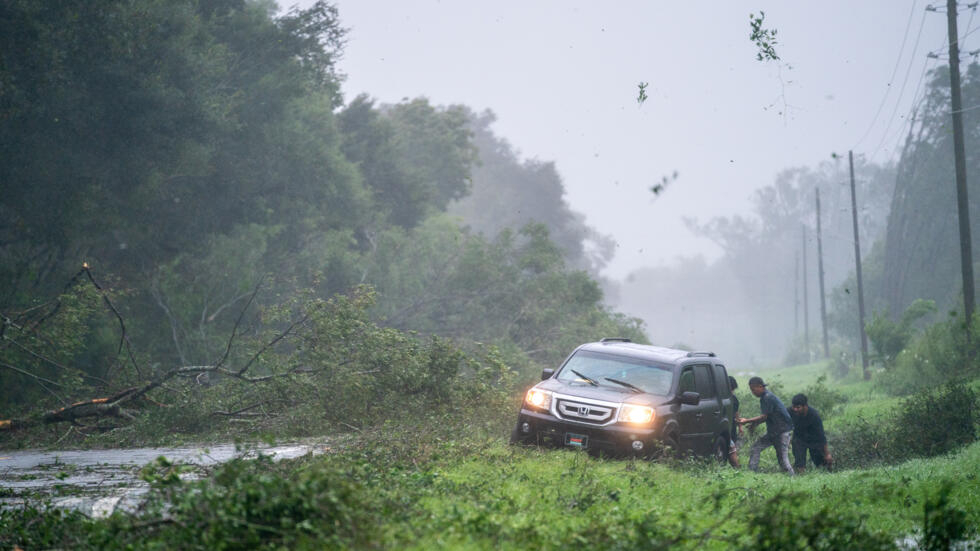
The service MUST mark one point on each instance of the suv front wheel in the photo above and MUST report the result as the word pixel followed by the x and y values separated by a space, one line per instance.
pixel 518 439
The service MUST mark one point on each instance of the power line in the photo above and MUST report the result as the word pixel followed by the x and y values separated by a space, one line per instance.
pixel 891 79
pixel 973 11
pixel 916 98
pixel 965 109
pixel 932 55
pixel 902 92
pixel 910 116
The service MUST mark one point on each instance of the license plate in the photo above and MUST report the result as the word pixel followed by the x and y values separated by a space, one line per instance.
pixel 576 440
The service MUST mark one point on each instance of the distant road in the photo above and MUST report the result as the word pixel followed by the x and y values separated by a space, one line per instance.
pixel 98 482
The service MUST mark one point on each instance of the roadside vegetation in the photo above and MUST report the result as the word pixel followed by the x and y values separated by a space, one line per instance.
pixel 905 475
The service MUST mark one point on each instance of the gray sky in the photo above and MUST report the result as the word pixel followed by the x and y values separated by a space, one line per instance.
pixel 562 77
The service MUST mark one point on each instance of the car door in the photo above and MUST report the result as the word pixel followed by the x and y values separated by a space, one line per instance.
pixel 709 415
pixel 689 426
pixel 697 422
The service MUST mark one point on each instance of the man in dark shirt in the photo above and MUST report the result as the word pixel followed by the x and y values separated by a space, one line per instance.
pixel 779 426
pixel 808 435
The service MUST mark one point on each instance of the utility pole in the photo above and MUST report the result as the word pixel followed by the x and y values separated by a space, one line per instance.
pixel 857 264
pixel 806 304
pixel 823 300
pixel 966 246
pixel 796 293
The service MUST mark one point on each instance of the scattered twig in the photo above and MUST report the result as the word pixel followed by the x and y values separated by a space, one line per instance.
pixel 234 330
pixel 124 338
pixel 50 361
pixel 69 431
pixel 281 336
pixel 243 412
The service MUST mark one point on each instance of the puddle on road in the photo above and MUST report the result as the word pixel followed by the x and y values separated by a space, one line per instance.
pixel 98 482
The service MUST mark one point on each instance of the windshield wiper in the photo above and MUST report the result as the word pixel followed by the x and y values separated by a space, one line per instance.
pixel 592 382
pixel 634 388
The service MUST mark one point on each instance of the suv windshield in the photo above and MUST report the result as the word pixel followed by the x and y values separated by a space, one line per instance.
pixel 607 370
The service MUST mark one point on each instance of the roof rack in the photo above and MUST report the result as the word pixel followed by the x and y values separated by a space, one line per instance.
pixel 615 339
pixel 695 354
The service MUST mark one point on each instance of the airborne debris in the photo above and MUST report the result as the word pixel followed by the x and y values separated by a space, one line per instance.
pixel 764 39
pixel 642 96
pixel 665 181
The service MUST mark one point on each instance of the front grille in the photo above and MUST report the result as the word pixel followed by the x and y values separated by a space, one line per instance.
pixel 585 412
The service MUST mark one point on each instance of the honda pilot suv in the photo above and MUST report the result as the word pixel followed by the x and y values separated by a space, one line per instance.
pixel 621 398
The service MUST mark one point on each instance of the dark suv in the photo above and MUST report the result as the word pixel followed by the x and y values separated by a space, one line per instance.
pixel 622 398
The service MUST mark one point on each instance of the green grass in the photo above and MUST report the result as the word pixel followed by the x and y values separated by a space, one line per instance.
pixel 514 498
pixel 450 481
pixel 797 376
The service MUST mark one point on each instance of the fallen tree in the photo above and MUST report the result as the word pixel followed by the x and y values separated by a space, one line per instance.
pixel 123 403
pixel 314 360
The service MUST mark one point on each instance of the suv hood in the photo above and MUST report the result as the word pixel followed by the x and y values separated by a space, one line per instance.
pixel 606 393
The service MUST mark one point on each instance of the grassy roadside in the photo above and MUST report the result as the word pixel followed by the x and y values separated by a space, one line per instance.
pixel 505 498
pixel 449 480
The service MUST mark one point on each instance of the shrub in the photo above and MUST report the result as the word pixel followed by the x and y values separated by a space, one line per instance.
pixel 254 504
pixel 944 352
pixel 932 422
pixel 889 338
pixel 861 443
pixel 785 521
pixel 38 527
pixel 943 524
pixel 936 422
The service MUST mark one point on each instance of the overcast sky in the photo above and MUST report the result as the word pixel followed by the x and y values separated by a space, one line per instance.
pixel 563 76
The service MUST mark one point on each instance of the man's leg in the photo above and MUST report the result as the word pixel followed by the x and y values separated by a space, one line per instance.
pixel 782 451
pixel 733 454
pixel 756 451
pixel 816 454
pixel 799 456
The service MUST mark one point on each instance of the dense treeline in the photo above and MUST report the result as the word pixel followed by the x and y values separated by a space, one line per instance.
pixel 198 155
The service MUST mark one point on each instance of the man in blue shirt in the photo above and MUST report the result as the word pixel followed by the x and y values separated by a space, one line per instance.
pixel 779 426
pixel 808 435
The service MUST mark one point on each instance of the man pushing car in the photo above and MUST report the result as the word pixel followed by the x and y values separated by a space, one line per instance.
pixel 779 426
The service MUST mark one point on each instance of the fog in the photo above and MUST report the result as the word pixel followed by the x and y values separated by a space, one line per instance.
pixel 563 79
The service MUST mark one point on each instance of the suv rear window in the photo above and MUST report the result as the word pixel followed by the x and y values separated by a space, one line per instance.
pixel 605 368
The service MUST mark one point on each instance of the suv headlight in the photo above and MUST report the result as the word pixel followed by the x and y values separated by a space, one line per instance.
pixel 537 398
pixel 636 415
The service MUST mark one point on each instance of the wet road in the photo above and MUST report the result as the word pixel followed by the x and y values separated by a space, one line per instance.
pixel 98 482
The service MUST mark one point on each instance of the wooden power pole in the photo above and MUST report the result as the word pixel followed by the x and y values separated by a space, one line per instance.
pixel 857 264
pixel 963 205
pixel 823 300
pixel 796 293
pixel 806 303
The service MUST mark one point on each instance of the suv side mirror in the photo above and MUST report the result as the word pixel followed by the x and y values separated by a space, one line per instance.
pixel 546 373
pixel 690 398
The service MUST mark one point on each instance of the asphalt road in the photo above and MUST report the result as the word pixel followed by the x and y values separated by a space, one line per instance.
pixel 98 482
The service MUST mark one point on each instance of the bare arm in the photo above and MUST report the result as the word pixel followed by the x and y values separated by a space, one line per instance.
pixel 752 420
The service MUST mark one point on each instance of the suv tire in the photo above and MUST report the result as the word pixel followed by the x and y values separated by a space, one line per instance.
pixel 516 438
